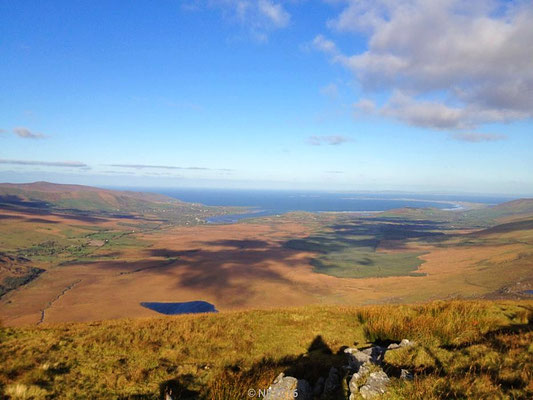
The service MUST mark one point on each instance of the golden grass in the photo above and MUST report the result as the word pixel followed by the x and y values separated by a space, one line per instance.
pixel 466 350
pixel 440 322
pixel 21 391
pixel 237 267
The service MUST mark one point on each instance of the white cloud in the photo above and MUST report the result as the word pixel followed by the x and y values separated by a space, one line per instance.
pixel 473 59
pixel 365 107
pixel 150 166
pixel 259 17
pixel 325 45
pixel 332 140
pixel 274 12
pixel 476 137
pixel 331 91
pixel 71 164
pixel 27 134
pixel 427 114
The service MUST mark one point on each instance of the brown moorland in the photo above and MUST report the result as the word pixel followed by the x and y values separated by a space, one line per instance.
pixel 103 268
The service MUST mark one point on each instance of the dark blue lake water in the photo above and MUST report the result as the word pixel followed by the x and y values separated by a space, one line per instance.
pixel 189 307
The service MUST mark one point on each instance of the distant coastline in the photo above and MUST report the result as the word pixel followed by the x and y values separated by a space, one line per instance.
pixel 262 203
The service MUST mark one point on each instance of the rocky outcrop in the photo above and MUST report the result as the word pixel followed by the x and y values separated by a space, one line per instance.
pixel 375 385
pixel 364 374
pixel 368 379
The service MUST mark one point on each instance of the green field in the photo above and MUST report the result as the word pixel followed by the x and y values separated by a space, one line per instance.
pixel 349 249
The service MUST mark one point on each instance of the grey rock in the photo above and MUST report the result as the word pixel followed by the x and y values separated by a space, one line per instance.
pixel 318 389
pixel 358 379
pixel 289 388
pixel 406 343
pixel 353 385
pixel 304 390
pixel 376 353
pixel 332 383
pixel 393 346
pixel 361 373
pixel 406 375
pixel 376 385
pixel 356 358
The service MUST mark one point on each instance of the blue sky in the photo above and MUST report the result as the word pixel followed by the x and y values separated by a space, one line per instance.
pixel 335 95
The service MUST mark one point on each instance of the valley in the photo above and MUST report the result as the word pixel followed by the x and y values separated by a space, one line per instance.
pixel 97 266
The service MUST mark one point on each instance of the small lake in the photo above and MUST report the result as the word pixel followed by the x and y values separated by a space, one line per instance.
pixel 528 291
pixel 188 307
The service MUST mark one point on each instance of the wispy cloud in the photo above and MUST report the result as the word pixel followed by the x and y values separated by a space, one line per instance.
pixel 327 46
pixel 113 172
pixel 69 164
pixel 259 17
pixel 27 134
pixel 331 91
pixel 475 137
pixel 274 12
pixel 332 140
pixel 171 167
pixel 334 172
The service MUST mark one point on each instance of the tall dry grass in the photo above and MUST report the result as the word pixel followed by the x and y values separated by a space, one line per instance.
pixel 440 322
pixel 221 356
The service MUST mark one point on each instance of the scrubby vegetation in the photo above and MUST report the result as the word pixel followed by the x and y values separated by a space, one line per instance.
pixel 15 271
pixel 13 282
pixel 464 350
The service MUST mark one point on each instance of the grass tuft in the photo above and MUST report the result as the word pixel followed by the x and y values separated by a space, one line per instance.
pixel 441 323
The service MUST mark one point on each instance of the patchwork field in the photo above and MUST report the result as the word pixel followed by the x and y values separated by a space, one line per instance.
pixel 61 266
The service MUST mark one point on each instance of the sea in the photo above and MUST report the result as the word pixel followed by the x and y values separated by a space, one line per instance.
pixel 275 202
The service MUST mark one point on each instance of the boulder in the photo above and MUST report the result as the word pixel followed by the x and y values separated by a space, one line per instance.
pixel 356 358
pixel 289 388
pixel 375 385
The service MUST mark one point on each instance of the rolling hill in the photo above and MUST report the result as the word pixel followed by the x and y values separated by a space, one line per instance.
pixel 476 217
pixel 90 200
pixel 78 197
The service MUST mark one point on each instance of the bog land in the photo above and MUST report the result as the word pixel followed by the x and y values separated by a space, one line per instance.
pixel 82 268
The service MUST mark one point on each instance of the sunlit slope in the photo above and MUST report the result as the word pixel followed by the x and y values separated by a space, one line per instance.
pixel 81 197
pixel 472 218
pixel 464 350
pixel 521 208
pixel 43 197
